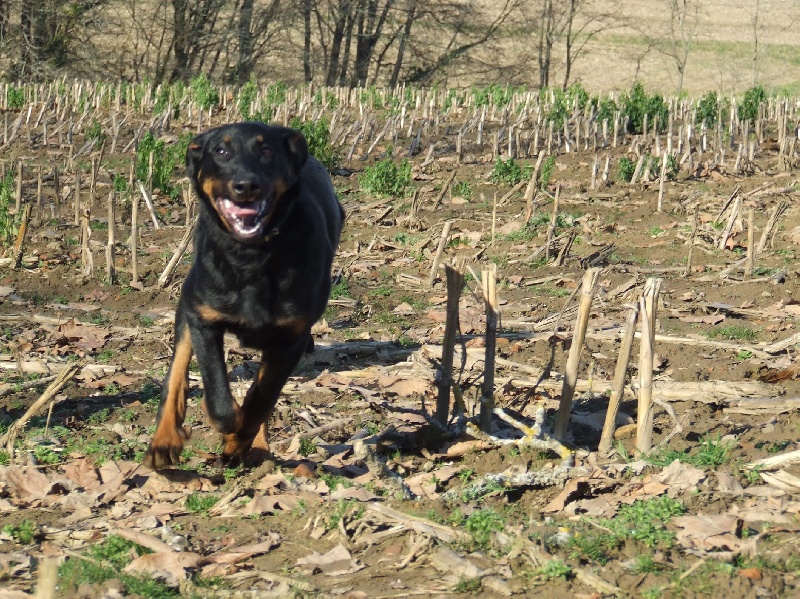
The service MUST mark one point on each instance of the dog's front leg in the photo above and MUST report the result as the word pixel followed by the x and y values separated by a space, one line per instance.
pixel 167 443
pixel 277 364
pixel 223 411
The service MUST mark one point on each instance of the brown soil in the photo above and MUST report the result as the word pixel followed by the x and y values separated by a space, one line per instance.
pixel 382 255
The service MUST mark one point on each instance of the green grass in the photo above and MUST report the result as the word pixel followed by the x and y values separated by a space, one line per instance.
pixel 23 533
pixel 106 561
pixel 643 521
pixel 734 333
pixel 555 568
pixel 9 222
pixel 317 134
pixel 200 503
pixel 709 454
pixel 509 172
pixel 482 524
pixel 386 178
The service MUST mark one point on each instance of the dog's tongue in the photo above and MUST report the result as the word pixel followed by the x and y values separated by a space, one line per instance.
pixel 244 218
pixel 241 211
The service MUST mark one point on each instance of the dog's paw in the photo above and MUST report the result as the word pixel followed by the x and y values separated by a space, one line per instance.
pixel 166 447
pixel 235 449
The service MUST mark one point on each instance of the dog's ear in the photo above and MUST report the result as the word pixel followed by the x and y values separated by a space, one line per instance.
pixel 297 146
pixel 194 153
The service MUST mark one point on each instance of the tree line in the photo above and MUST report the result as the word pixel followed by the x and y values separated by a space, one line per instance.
pixel 332 42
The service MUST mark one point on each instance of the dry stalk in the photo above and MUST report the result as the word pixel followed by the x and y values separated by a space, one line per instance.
pixel 87 261
pixel 455 283
pixel 442 243
pixel 690 256
pixel 20 242
pixel 149 202
pixel 750 264
pixel 48 396
pixel 111 273
pixel 134 242
pixel 573 359
pixel 489 284
pixel 766 234
pixel 618 385
pixel 644 415
pixel 176 256
pixel 726 233
pixel 552 226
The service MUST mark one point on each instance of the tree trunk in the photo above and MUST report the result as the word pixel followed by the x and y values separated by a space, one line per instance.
pixel 244 65
pixel 404 36
pixel 342 14
pixel 307 73
pixel 180 40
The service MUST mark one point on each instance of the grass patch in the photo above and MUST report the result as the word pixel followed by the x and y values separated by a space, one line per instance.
pixel 509 172
pixel 734 333
pixel 710 454
pixel 643 521
pixel 201 503
pixel 106 561
pixel 386 178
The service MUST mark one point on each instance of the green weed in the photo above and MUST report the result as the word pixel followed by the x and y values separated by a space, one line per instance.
pixel 15 97
pixel 482 524
pixel 546 172
pixel 710 454
pixel 752 100
pixel 626 169
pixel 23 533
pixel 555 568
pixel 734 333
pixel 386 178
pixel 462 189
pixel 467 585
pixel 9 222
pixel 203 92
pixel 107 561
pixel 637 104
pixel 509 172
pixel 318 137
pixel 307 447
pixel 200 503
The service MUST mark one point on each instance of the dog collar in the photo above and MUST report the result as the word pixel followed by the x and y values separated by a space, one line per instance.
pixel 271 234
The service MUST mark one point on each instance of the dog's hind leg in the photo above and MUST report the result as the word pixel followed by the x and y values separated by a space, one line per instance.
pixel 276 366
pixel 167 443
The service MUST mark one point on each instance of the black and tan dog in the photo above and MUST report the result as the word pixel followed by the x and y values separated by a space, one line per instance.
pixel 268 229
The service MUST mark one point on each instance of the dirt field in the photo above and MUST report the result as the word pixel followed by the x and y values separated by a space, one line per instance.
pixel 365 497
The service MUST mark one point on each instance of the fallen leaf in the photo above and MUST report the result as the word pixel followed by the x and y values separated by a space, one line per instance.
pixel 680 477
pixel 171 566
pixel 336 562
pixel 751 573
pixel 403 386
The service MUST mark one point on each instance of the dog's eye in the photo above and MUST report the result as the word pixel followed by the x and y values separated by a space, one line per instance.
pixel 266 151
pixel 222 151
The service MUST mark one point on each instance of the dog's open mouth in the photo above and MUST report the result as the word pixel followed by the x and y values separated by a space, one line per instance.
pixel 245 219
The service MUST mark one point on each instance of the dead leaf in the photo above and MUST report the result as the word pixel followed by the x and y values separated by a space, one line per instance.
pixel 83 473
pixel 751 573
pixel 170 566
pixel 237 554
pixel 709 533
pixel 403 386
pixel 28 485
pixel 575 489
pixel 261 505
pixel 336 562
pixel 680 477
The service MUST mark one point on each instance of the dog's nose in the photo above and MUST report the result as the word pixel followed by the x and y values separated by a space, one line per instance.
pixel 246 186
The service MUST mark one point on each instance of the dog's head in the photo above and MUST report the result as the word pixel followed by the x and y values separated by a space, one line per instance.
pixel 244 171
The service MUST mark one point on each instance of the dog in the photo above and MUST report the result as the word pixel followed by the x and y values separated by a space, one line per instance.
pixel 268 227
